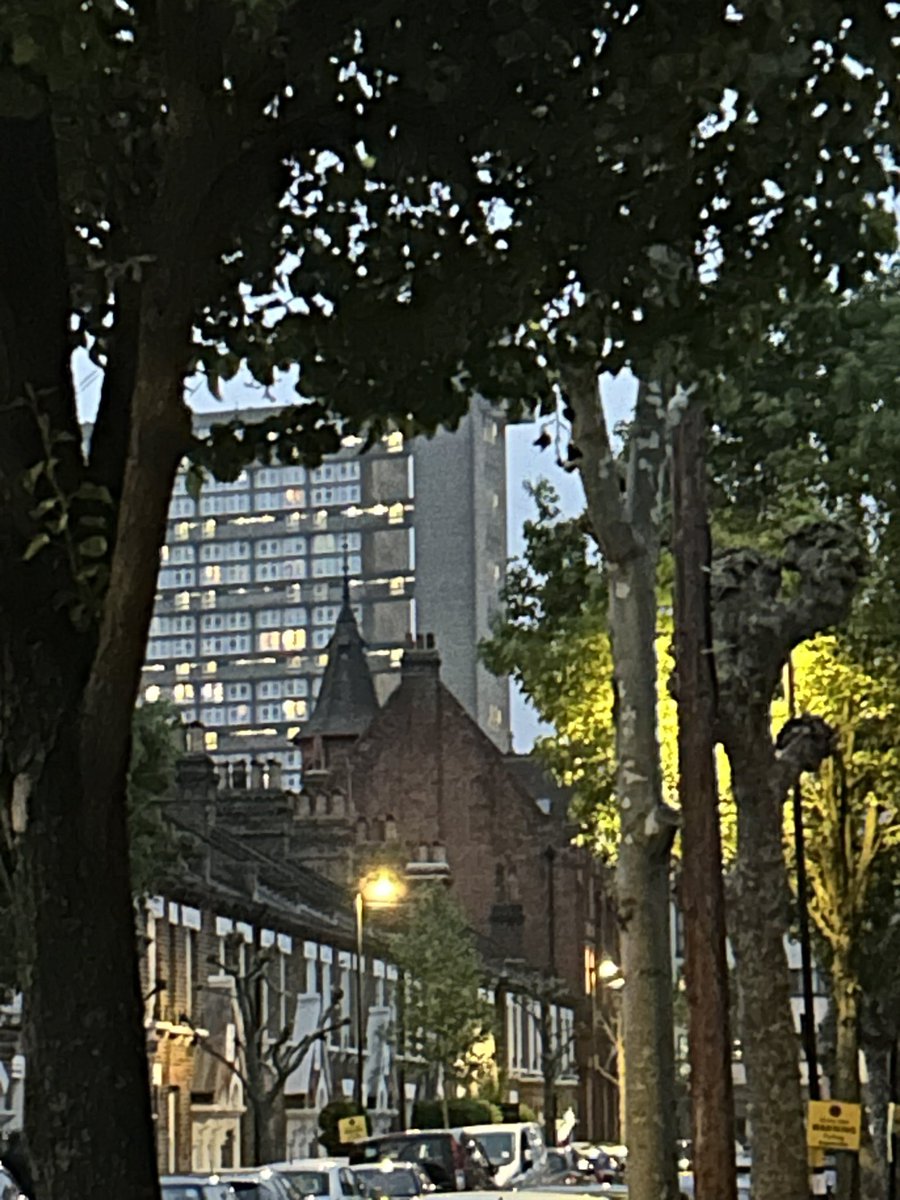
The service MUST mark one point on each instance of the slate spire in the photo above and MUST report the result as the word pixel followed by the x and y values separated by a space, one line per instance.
pixel 346 703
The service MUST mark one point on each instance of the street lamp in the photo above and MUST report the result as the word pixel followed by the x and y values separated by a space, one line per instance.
pixel 381 888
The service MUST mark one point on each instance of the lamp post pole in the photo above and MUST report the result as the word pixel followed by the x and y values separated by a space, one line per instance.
pixel 360 1022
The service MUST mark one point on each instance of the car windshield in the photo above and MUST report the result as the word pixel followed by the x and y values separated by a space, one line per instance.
pixel 187 1192
pixel 392 1183
pixel 499 1147
pixel 307 1183
pixel 416 1149
pixel 265 1190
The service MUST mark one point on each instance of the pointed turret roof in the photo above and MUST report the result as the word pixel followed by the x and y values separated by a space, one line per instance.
pixel 346 702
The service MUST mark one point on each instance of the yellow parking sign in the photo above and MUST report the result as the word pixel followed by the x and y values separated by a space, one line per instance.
pixel 352 1129
pixel 833 1125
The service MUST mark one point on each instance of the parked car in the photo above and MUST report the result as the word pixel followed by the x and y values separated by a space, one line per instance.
pixel 514 1149
pixel 9 1189
pixel 193 1187
pixel 395 1179
pixel 453 1164
pixel 569 1168
pixel 258 1183
pixel 322 1178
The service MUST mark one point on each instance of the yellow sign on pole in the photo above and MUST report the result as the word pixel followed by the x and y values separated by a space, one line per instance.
pixel 833 1125
pixel 352 1129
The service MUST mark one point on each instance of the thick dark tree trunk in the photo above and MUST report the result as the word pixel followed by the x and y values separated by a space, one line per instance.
pixel 87 1095
pixel 758 921
pixel 757 621
pixel 702 887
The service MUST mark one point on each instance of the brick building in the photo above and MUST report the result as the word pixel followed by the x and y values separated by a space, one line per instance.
pixel 418 782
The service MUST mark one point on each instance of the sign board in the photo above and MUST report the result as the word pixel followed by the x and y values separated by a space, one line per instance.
pixel 352 1129
pixel 833 1125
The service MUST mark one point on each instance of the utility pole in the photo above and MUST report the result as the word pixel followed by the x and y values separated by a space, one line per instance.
pixel 702 887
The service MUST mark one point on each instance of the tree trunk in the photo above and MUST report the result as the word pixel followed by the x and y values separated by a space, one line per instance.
pixel 846 1068
pixel 702 887
pixel 642 880
pixel 758 924
pixel 83 1019
pixel 873 1164
pixel 266 1148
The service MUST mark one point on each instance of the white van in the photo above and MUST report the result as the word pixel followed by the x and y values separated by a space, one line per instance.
pixel 512 1148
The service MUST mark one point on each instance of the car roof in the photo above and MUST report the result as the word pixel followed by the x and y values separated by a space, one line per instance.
pixel 192 1177
pixel 387 1164
pixel 306 1164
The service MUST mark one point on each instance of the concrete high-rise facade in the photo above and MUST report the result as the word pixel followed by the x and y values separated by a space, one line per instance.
pixel 251 582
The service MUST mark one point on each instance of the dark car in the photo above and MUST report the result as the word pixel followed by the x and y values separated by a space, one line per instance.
pixel 566 1167
pixel 389 1179
pixel 452 1164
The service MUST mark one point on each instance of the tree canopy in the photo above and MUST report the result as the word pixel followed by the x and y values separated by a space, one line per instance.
pixel 444 1014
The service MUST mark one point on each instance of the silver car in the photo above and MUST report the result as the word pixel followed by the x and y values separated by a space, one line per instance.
pixel 195 1187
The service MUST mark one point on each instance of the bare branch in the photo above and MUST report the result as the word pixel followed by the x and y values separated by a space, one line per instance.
pixel 598 469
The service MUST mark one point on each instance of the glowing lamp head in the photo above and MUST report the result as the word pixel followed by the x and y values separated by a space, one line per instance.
pixel 382 888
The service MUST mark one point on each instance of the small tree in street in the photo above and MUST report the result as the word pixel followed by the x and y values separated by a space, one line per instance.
pixel 445 1014
pixel 852 818
pixel 266 1054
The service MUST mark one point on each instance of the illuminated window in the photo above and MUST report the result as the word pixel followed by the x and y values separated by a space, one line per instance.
pixel 396 657
pixel 292 732
pixel 211 739
pixel 164 554
pixel 321 517
pixel 495 716
pixel 294 710
pixel 394 441
pixel 397 585
pixel 212 574
pixel 182 600
pixel 182 531
pixel 395 513
pixel 323 660
pixel 270 640
pixel 213 691
pixel 183 692
pixel 293 639
pixel 151 694
pixel 182 668
pixel 209 528
pixel 211 667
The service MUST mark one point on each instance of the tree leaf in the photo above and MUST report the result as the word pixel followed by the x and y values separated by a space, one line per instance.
pixel 93 547
pixel 36 545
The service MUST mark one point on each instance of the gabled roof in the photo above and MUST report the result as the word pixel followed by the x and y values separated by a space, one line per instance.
pixel 346 703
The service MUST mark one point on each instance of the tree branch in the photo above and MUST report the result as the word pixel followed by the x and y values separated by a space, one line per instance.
pixel 647 452
pixel 597 466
